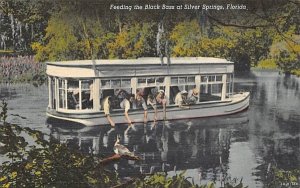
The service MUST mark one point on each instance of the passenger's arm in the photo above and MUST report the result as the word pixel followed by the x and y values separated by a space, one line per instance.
pixel 127 116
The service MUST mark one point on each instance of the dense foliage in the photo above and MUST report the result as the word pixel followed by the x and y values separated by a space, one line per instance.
pixel 264 34
pixel 22 23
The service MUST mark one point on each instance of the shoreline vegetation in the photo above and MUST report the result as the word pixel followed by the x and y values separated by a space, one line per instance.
pixel 22 69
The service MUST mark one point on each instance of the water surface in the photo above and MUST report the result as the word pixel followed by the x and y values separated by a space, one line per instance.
pixel 240 145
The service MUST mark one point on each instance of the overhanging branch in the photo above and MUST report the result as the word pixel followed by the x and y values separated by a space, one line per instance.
pixel 237 25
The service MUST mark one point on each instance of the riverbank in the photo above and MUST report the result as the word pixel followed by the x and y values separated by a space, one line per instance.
pixel 22 69
pixel 270 64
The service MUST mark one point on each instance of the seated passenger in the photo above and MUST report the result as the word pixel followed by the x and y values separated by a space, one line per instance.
pixel 140 102
pixel 86 102
pixel 87 97
pixel 125 104
pixel 151 101
pixel 180 98
pixel 121 94
pixel 154 91
pixel 160 98
pixel 73 97
pixel 106 109
pixel 192 97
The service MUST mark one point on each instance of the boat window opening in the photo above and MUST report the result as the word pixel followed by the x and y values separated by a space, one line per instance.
pixel 86 94
pixel 61 94
pixel 125 82
pixel 73 94
pixel 117 89
pixel 216 89
pixel 219 78
pixel 52 97
pixel 174 80
pixel 211 88
pixel 182 80
pixel 228 89
pixel 142 82
pixel 210 92
pixel 229 85
pixel 105 84
pixel 212 78
pixel 229 78
pixel 150 81
pixel 116 83
pixel 204 78
pixel 173 92
pixel 191 79
pixel 147 92
pixel 159 80
pixel 179 84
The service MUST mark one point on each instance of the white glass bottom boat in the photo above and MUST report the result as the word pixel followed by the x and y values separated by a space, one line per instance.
pixel 77 89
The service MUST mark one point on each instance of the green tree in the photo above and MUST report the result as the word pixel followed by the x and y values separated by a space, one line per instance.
pixel 94 39
pixel 62 43
pixel 76 31
pixel 251 46
pixel 185 38
pixel 285 50
pixel 133 41
pixel 22 23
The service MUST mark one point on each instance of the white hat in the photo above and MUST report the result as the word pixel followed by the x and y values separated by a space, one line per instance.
pixel 161 91
pixel 183 92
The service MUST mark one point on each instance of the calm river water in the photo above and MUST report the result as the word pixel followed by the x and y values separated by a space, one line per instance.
pixel 242 145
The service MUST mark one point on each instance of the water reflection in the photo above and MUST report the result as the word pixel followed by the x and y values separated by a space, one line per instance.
pixel 274 122
pixel 201 144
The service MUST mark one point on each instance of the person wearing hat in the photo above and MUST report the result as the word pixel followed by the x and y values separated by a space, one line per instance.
pixel 192 97
pixel 161 99
pixel 180 98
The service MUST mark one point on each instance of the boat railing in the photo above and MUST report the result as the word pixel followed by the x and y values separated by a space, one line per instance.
pixel 138 109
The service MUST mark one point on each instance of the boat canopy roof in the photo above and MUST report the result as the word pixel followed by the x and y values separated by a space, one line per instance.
pixel 141 61
pixel 146 66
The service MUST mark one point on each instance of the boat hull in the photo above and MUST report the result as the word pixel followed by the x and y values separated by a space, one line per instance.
pixel 237 103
